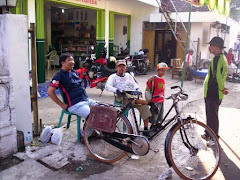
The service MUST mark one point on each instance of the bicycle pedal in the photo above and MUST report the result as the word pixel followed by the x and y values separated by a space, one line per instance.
pixel 126 139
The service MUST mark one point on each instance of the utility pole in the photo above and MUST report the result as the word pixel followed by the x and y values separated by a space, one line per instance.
pixel 186 44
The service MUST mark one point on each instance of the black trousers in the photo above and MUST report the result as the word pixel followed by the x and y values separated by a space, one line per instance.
pixel 212 107
pixel 190 71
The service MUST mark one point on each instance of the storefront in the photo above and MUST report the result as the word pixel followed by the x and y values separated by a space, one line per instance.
pixel 70 29
pixel 70 26
pixel 74 29
pixel 76 25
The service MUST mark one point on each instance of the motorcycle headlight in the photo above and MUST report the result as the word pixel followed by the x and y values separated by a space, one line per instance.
pixel 129 63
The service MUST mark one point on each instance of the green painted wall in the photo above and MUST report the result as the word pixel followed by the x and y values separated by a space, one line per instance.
pixel 129 32
pixel 40 40
pixel 111 32
pixel 21 8
pixel 100 32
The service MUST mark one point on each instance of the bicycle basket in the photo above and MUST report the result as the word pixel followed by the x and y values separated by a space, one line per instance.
pixel 103 118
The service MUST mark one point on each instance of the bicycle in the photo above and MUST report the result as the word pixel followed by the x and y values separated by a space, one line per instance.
pixel 185 150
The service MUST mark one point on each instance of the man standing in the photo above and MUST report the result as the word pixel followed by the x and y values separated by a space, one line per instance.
pixel 214 88
pixel 72 86
pixel 230 57
pixel 120 82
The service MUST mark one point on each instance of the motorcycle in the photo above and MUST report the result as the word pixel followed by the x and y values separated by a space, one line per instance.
pixel 89 75
pixel 140 62
pixel 95 72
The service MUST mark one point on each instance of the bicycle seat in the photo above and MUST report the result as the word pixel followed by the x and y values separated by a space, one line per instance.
pixel 134 93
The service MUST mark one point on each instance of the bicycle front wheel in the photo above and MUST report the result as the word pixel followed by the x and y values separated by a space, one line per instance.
pixel 101 149
pixel 191 156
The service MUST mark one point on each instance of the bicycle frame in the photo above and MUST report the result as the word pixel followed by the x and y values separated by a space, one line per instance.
pixel 165 121
pixel 162 128
pixel 181 131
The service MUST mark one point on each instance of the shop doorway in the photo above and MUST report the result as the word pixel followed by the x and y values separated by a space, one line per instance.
pixel 148 43
pixel 165 47
pixel 70 29
pixel 120 43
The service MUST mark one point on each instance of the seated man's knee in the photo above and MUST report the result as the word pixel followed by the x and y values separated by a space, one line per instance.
pixel 83 111
pixel 86 112
pixel 145 111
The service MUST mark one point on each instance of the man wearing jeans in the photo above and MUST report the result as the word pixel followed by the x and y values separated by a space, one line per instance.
pixel 74 94
pixel 214 88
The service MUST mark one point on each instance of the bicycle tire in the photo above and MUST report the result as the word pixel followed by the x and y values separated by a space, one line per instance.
pixel 201 163
pixel 99 148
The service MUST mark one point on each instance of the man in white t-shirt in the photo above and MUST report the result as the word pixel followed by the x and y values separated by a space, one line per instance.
pixel 189 65
pixel 120 82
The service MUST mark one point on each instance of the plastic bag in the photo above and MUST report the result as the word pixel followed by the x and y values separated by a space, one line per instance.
pixel 46 134
pixel 57 135
pixel 149 93
pixel 51 135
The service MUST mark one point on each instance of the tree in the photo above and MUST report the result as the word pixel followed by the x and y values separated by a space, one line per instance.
pixel 235 10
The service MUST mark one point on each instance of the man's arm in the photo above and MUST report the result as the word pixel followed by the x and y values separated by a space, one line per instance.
pixel 221 74
pixel 135 85
pixel 53 96
pixel 109 84
pixel 224 75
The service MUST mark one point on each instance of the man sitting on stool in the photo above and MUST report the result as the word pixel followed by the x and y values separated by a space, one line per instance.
pixel 120 82
pixel 189 68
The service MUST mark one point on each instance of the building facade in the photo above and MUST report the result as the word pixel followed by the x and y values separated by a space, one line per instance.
pixel 76 25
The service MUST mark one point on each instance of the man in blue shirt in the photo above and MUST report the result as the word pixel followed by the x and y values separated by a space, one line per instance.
pixel 74 94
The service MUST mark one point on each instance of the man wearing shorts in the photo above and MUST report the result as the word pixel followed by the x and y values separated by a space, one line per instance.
pixel 120 82
pixel 74 94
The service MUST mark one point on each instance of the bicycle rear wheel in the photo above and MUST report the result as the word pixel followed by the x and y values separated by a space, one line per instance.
pixel 190 155
pixel 99 148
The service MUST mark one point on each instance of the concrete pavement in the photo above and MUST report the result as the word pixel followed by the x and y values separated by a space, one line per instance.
pixel 63 161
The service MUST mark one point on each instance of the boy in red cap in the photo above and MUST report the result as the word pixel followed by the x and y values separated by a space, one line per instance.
pixel 158 93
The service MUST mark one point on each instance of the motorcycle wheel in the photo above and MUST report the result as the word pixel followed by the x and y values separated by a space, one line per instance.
pixel 141 68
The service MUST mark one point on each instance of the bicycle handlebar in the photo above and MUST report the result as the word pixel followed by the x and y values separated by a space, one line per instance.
pixel 134 92
pixel 179 94
pixel 174 87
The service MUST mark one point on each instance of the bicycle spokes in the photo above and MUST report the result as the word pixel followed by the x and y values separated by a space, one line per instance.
pixel 183 131
pixel 189 154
